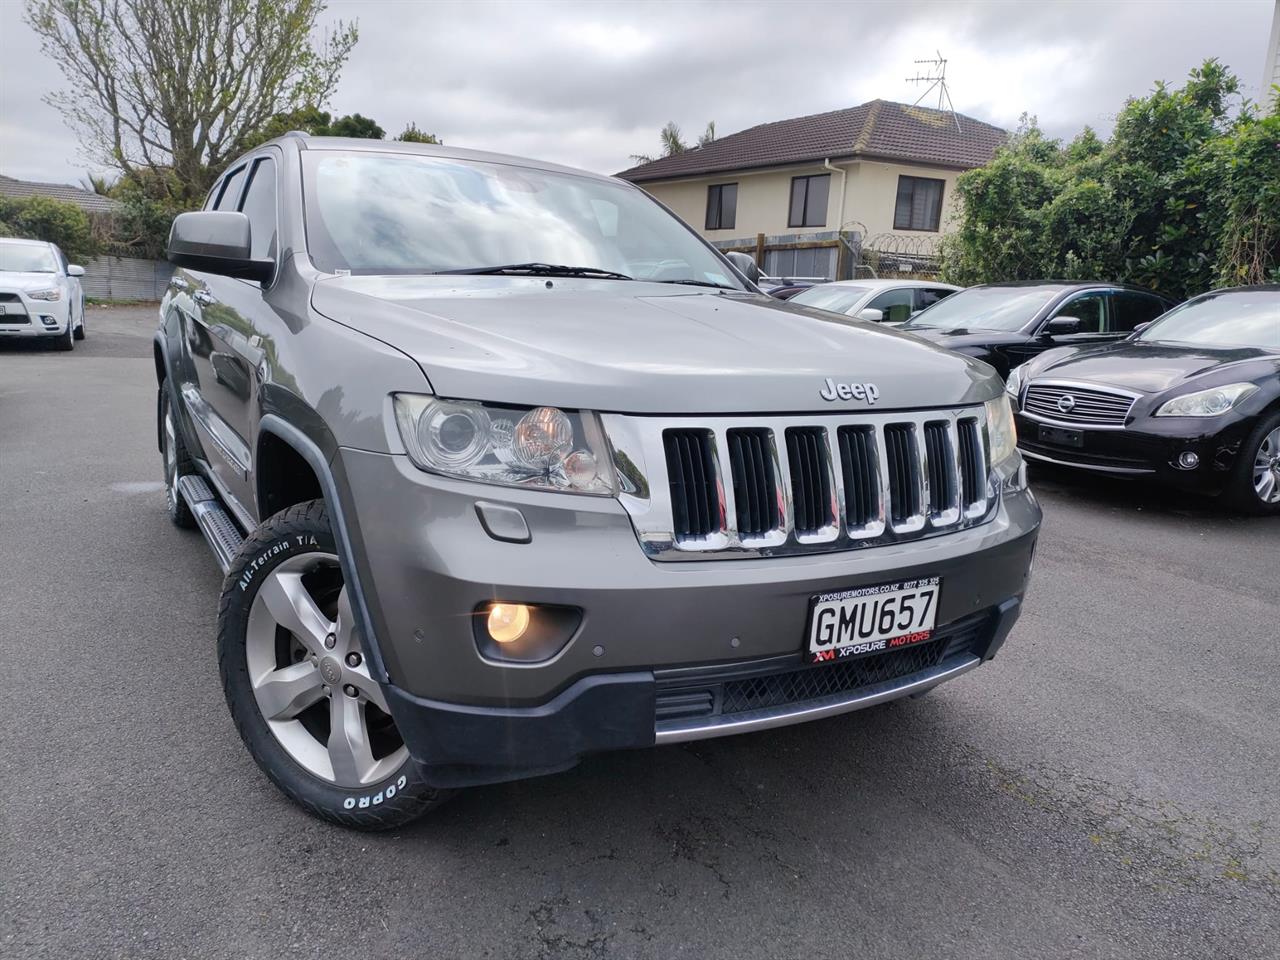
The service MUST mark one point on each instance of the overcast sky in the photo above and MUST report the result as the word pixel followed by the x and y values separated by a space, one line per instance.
pixel 588 84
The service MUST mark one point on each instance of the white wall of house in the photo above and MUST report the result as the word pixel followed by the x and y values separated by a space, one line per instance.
pixel 764 198
pixel 1271 70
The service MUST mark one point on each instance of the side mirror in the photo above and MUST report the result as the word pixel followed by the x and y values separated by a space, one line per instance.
pixel 872 314
pixel 216 241
pixel 75 270
pixel 1063 325
pixel 746 265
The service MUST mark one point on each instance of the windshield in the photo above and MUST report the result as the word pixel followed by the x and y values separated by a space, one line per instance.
pixel 1244 318
pixel 986 308
pixel 27 258
pixel 833 298
pixel 379 213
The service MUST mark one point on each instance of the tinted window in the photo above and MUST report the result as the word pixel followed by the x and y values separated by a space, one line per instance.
pixel 230 191
pixel 1242 318
pixel 896 305
pixel 987 308
pixel 838 299
pixel 1130 309
pixel 919 204
pixel 378 213
pixel 1089 309
pixel 809 201
pixel 722 206
pixel 260 207
pixel 928 296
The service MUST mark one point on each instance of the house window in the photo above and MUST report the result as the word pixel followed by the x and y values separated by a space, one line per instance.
pixel 919 204
pixel 722 206
pixel 809 201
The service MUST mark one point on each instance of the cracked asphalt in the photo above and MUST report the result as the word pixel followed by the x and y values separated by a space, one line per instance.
pixel 1108 787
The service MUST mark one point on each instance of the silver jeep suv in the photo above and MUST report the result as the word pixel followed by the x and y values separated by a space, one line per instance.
pixel 506 466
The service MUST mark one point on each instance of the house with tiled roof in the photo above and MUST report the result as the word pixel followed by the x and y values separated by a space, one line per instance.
pixel 86 200
pixel 880 168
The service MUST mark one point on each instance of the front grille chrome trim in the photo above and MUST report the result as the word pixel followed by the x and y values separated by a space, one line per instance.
pixel 646 493
pixel 1097 407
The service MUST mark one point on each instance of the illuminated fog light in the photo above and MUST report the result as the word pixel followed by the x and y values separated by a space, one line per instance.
pixel 1188 460
pixel 508 621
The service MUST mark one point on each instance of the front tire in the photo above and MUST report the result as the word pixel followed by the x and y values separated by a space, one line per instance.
pixel 298 686
pixel 67 340
pixel 1255 483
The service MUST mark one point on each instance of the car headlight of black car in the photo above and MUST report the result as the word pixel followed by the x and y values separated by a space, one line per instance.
pixel 1213 402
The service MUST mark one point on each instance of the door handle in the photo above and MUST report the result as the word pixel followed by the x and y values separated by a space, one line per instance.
pixel 204 298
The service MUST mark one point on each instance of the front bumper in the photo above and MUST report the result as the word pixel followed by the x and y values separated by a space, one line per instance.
pixel 25 317
pixel 648 629
pixel 1149 447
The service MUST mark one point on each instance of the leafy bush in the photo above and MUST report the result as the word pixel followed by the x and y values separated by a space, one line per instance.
pixel 44 218
pixel 1181 197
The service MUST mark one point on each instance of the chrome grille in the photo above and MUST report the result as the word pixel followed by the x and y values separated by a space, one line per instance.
pixel 1077 404
pixel 774 486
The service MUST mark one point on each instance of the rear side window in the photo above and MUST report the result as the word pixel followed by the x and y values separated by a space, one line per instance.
pixel 928 296
pixel 260 207
pixel 1128 309
pixel 1088 308
pixel 896 305
pixel 230 191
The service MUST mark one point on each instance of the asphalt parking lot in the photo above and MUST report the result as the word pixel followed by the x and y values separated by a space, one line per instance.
pixel 1108 787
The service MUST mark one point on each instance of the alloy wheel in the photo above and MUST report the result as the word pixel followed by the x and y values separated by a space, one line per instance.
pixel 1266 468
pixel 310 679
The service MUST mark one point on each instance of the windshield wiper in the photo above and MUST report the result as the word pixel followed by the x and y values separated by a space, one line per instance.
pixel 540 270
pixel 700 283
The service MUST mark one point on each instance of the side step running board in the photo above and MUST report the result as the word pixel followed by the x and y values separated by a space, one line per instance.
pixel 215 523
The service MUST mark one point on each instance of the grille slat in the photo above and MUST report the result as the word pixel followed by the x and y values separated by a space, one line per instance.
pixel 904 487
pixel 695 501
pixel 1090 406
pixel 942 481
pixel 972 473
pixel 861 477
pixel 810 482
pixel 754 482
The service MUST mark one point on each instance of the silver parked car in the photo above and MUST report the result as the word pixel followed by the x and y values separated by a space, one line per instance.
pixel 40 294
pixel 506 466
pixel 888 301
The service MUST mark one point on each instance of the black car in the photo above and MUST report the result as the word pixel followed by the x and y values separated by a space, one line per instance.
pixel 1192 399
pixel 1006 324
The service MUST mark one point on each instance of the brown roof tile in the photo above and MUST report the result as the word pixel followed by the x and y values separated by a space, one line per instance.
pixel 86 200
pixel 881 128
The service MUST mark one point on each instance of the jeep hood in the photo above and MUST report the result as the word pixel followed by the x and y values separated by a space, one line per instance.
pixel 638 347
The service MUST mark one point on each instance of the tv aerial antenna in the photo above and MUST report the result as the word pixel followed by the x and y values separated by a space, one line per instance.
pixel 935 74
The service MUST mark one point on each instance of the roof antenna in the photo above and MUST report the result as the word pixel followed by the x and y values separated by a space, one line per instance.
pixel 936 77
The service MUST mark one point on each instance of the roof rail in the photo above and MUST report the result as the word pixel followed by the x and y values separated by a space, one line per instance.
pixel 296 133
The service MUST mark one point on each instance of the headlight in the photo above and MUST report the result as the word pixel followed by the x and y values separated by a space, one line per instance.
pixel 1013 386
pixel 1206 403
pixel 1002 435
pixel 516 446
pixel 53 293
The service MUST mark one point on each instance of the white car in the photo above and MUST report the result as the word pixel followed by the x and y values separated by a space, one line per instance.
pixel 40 294
pixel 890 301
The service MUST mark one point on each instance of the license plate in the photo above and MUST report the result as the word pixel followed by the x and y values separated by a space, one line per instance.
pixel 1061 437
pixel 867 620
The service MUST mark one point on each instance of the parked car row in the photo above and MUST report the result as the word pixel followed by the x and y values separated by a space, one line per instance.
pixel 1100 384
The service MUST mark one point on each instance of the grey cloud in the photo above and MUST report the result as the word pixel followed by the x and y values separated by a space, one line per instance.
pixel 588 84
